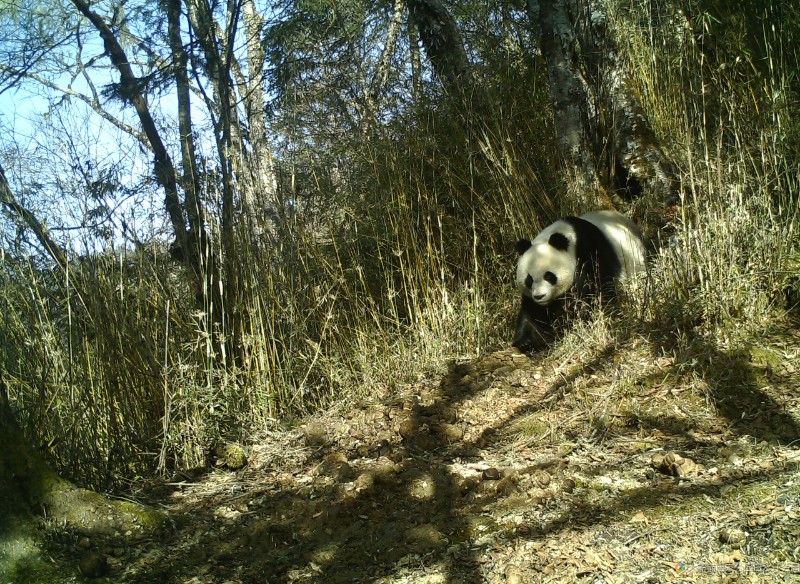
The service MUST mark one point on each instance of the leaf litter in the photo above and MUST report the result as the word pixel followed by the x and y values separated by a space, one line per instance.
pixel 603 467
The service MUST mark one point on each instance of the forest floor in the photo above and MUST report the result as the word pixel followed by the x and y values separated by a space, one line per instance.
pixel 622 465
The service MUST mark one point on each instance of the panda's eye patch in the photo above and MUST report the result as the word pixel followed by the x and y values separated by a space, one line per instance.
pixel 559 241
pixel 550 278
pixel 528 282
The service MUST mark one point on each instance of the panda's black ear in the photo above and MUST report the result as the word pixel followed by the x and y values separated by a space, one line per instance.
pixel 522 246
pixel 559 241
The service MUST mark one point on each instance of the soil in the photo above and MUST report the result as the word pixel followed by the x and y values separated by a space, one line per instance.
pixel 621 465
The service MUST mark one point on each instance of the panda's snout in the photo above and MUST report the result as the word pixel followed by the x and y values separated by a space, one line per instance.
pixel 538 297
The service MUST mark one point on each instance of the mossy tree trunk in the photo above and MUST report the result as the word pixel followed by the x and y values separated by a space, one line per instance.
pixel 29 486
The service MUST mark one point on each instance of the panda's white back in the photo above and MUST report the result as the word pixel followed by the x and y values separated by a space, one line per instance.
pixel 625 236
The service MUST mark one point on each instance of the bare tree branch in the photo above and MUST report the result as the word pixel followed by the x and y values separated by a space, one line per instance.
pixel 92 102
pixel 7 198
pixel 164 169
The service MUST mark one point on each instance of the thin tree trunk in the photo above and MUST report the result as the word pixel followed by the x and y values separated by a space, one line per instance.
pixel 416 61
pixel 218 53
pixel 381 76
pixel 191 179
pixel 163 167
pixel 255 104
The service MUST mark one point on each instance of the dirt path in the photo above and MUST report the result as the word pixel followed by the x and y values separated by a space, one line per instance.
pixel 612 467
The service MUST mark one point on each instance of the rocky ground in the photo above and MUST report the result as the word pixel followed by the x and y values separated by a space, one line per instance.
pixel 621 465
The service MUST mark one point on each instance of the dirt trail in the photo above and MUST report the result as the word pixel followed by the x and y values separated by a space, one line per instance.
pixel 612 467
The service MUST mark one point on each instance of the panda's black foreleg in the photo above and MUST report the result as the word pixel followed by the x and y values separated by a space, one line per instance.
pixel 534 329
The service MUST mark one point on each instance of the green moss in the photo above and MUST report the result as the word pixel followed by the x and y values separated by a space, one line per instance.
pixel 21 560
pixel 32 570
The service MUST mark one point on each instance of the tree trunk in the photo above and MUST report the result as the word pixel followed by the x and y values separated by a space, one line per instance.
pixel 381 77
pixel 416 62
pixel 191 179
pixel 255 105
pixel 603 132
pixel 442 42
pixel 219 56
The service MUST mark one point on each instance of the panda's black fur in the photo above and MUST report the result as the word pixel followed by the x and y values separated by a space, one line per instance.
pixel 600 257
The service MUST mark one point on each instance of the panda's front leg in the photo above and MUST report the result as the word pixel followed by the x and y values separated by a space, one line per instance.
pixel 534 329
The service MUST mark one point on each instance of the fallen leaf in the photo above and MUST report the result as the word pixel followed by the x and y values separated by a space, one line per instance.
pixel 639 518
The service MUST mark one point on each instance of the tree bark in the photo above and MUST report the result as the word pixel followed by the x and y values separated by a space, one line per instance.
pixel 219 56
pixel 603 131
pixel 383 67
pixel 255 103
pixel 191 179
pixel 416 62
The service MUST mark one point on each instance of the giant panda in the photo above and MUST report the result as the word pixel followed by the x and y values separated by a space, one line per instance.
pixel 571 261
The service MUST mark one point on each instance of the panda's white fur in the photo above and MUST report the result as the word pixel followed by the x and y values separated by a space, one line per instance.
pixel 626 238
pixel 577 257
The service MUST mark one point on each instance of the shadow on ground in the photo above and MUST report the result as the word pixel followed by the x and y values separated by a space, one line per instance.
pixel 447 483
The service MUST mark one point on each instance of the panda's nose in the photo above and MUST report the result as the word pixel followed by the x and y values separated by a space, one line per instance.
pixel 538 296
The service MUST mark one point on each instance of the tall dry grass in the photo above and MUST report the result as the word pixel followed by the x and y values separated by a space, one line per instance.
pixel 390 264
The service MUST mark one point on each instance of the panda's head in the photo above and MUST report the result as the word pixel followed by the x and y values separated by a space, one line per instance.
pixel 546 265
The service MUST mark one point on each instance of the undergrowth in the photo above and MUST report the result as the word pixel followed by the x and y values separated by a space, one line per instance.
pixel 408 262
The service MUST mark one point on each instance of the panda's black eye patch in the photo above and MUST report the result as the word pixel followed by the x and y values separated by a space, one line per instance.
pixel 528 282
pixel 550 278
pixel 559 241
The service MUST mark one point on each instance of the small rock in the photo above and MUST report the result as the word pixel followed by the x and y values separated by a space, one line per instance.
pixel 315 434
pixel 408 429
pixel 92 565
pixel 334 465
pixel 450 432
pixel 733 537
pixel 491 474
pixel 363 482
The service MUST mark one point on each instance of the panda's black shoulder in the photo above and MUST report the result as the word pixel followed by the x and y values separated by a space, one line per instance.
pixel 593 247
